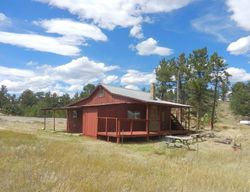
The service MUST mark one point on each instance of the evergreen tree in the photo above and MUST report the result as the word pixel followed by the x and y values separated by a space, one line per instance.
pixel 199 77
pixel 87 90
pixel 219 77
pixel 240 99
pixel 165 77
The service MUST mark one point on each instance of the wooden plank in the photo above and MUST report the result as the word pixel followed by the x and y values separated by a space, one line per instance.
pixel 188 118
pixel 106 126
pixel 44 126
pixel 159 119
pixel 54 124
pixel 147 122
pixel 131 126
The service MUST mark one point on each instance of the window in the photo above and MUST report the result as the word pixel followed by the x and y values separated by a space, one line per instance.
pixel 74 114
pixel 101 92
pixel 134 114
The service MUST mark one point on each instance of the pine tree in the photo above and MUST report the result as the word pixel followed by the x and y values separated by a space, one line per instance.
pixel 219 76
pixel 199 77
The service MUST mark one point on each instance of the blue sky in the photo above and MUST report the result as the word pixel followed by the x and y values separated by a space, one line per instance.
pixel 59 46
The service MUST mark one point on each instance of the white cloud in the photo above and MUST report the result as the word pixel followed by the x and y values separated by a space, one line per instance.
pixel 39 43
pixel 70 28
pixel 238 74
pixel 6 71
pixel 4 20
pixel 134 87
pixel 110 79
pixel 240 12
pixel 69 77
pixel 137 78
pixel 241 46
pixel 136 32
pixel 218 26
pixel 150 47
pixel 113 13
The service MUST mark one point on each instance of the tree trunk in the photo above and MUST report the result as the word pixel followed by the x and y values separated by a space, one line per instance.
pixel 178 87
pixel 198 120
pixel 214 105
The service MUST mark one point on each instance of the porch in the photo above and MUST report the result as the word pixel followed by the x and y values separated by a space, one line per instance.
pixel 119 128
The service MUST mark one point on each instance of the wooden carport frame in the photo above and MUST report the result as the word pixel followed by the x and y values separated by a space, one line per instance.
pixel 53 109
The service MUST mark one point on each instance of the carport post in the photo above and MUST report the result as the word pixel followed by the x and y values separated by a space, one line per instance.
pixel 44 123
pixel 54 123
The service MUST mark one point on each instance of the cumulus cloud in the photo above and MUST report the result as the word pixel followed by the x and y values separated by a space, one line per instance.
pixel 39 43
pixel 134 87
pixel 110 79
pixel 241 46
pixel 69 77
pixel 238 74
pixel 70 28
pixel 150 47
pixel 240 12
pixel 136 32
pixel 72 35
pixel 218 26
pixel 133 78
pixel 113 13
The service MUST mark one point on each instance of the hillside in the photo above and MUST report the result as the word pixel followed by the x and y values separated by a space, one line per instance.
pixel 35 160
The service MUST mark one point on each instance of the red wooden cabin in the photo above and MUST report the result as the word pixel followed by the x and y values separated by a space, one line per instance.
pixel 118 112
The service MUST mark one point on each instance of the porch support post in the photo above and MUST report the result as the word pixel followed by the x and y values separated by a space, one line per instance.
pixel 67 121
pixel 106 126
pixel 44 123
pixel 170 121
pixel 147 122
pixel 54 121
pixel 159 119
pixel 131 126
pixel 185 118
pixel 117 125
pixel 181 114
pixel 188 118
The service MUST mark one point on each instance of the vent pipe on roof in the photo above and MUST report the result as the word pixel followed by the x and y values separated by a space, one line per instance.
pixel 152 91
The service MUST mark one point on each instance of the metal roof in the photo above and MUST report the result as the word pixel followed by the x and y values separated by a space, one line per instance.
pixel 139 95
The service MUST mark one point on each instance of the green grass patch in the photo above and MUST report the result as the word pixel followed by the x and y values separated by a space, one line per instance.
pixel 11 138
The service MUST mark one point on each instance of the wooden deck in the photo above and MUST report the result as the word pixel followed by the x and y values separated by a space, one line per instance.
pixel 114 127
pixel 142 133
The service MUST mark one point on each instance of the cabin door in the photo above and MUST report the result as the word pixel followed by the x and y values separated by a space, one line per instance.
pixel 90 122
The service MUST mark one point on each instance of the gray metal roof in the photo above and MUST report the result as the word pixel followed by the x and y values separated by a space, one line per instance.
pixel 139 95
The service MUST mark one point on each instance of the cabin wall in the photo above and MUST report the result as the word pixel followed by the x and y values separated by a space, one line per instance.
pixel 121 112
pixel 74 121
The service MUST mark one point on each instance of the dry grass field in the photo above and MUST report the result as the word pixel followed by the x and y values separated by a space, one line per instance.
pixel 32 159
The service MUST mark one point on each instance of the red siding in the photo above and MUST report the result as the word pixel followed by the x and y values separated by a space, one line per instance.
pixel 107 98
pixel 120 111
pixel 90 122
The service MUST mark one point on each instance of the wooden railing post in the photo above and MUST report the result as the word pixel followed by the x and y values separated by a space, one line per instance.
pixel 116 127
pixel 44 126
pixel 54 120
pixel 147 130
pixel 188 118
pixel 106 126
pixel 147 121
pixel 131 126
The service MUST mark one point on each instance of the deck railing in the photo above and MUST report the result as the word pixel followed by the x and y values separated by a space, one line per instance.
pixel 130 126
